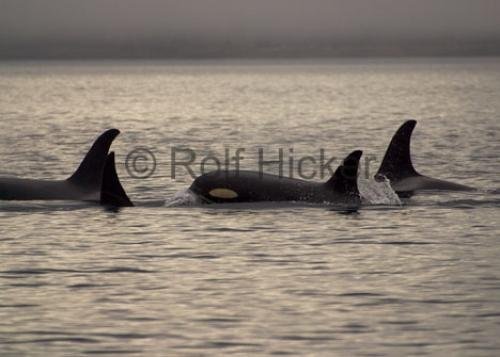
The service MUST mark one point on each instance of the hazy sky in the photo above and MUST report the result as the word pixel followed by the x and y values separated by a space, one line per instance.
pixel 38 26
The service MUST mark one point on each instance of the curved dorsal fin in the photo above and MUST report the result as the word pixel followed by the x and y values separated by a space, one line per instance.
pixel 345 178
pixel 89 173
pixel 112 192
pixel 397 160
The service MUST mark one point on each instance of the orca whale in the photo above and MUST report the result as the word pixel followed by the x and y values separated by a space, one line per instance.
pixel 95 180
pixel 398 168
pixel 235 186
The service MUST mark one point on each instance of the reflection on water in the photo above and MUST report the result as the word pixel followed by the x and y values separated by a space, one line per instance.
pixel 417 278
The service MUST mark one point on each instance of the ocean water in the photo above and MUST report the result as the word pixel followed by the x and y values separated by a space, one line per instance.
pixel 421 277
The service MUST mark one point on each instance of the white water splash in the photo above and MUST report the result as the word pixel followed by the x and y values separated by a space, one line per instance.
pixel 182 198
pixel 377 193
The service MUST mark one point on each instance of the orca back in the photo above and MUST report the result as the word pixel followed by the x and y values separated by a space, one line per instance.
pixel 397 164
pixel 253 186
pixel 345 179
pixel 89 174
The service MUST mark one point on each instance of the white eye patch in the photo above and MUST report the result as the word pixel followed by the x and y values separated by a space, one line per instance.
pixel 223 193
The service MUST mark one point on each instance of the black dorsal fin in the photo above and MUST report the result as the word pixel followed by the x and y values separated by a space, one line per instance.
pixel 397 160
pixel 89 173
pixel 112 192
pixel 345 179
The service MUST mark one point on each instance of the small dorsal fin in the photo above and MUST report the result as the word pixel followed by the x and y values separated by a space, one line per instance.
pixel 112 192
pixel 345 178
pixel 89 173
pixel 397 160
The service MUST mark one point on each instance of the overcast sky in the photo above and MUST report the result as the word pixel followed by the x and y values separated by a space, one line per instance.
pixel 61 26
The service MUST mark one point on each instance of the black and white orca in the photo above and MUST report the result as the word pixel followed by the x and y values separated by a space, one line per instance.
pixel 251 186
pixel 95 180
pixel 398 168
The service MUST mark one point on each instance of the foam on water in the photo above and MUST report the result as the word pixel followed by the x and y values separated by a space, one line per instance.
pixel 377 193
pixel 184 197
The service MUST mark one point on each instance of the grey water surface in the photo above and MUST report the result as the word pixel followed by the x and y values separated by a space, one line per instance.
pixel 418 279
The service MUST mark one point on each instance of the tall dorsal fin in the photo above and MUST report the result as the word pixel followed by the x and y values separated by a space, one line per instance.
pixel 345 178
pixel 397 160
pixel 89 173
pixel 112 192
